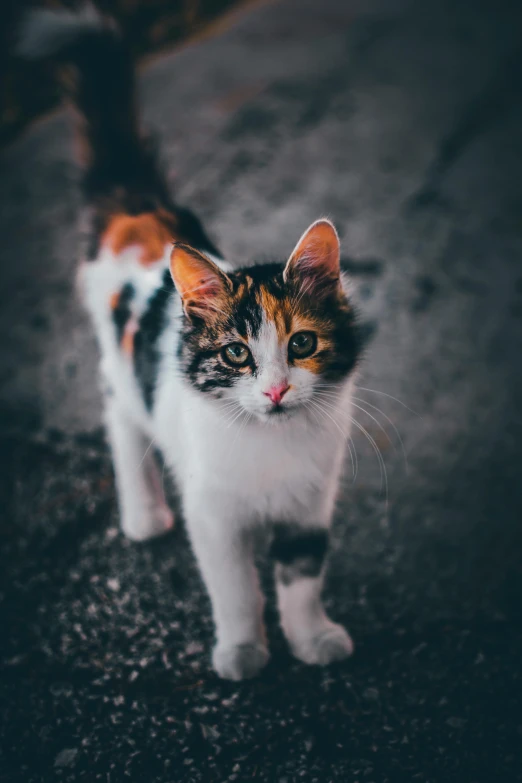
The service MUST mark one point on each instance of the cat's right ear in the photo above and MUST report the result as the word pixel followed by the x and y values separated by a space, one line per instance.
pixel 201 284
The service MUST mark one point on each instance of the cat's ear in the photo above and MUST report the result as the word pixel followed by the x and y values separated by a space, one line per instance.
pixel 200 283
pixel 316 259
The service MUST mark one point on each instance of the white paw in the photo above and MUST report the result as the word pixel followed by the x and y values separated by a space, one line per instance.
pixel 331 643
pixel 240 662
pixel 148 524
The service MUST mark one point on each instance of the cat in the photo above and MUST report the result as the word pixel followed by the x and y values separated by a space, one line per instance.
pixel 224 369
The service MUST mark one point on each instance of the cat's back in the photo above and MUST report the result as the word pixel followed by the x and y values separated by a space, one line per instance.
pixel 126 288
pixel 126 273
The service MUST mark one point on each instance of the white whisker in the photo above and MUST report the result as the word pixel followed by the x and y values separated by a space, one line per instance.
pixel 375 391
pixel 397 433
pixel 380 459
pixel 147 451
pixel 350 443
pixel 377 422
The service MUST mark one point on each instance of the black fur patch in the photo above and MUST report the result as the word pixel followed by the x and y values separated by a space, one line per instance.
pixel 204 368
pixel 191 231
pixel 299 551
pixel 151 325
pixel 122 312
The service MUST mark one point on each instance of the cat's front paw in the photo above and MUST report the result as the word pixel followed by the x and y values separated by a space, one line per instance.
pixel 148 524
pixel 239 662
pixel 331 643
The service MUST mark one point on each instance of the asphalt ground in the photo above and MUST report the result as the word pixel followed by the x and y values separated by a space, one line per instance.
pixel 402 122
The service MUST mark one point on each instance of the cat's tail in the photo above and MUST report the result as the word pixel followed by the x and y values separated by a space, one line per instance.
pixel 99 80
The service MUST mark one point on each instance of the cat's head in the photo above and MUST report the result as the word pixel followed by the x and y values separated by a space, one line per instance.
pixel 268 338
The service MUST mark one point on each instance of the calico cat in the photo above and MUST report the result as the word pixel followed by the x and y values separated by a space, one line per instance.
pixel 222 368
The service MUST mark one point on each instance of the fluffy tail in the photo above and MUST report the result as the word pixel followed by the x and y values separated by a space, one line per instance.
pixel 118 160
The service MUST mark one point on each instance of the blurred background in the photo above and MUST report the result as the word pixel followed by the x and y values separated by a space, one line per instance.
pixel 148 25
pixel 401 121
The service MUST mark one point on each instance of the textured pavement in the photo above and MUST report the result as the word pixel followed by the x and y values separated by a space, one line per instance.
pixel 402 121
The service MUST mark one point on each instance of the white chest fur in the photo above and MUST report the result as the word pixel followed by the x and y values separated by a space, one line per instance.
pixel 286 470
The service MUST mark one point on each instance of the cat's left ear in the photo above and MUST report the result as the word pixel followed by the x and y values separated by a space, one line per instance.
pixel 316 259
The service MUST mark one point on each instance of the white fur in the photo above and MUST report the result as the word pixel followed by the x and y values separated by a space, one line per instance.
pixel 236 468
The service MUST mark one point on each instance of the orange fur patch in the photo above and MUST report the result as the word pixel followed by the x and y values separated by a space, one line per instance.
pixel 150 231
pixel 278 311
pixel 114 300
pixel 127 341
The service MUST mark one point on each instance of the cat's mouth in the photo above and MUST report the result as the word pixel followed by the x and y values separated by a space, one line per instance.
pixel 277 410
pixel 279 413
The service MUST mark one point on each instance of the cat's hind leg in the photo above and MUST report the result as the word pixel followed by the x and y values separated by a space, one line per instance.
pixel 144 512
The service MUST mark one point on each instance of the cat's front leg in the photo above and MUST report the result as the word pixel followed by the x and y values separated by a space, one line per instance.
pixel 144 512
pixel 225 554
pixel 299 552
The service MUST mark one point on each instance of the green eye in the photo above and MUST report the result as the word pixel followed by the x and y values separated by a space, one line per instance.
pixel 236 354
pixel 302 344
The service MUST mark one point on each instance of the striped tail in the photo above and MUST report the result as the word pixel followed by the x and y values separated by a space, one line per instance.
pixel 121 176
pixel 98 77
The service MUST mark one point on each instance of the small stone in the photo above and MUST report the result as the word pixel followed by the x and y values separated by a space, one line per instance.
pixel 111 533
pixel 66 757
pixel 209 732
pixel 194 648
pixel 456 723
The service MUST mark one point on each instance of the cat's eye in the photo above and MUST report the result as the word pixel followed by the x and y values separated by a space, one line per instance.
pixel 302 344
pixel 236 354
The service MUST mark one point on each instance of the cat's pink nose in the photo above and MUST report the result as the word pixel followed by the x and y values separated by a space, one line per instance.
pixel 276 393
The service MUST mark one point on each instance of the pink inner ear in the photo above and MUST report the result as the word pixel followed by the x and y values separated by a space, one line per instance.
pixel 198 280
pixel 204 298
pixel 316 256
pixel 204 288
